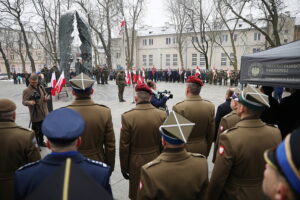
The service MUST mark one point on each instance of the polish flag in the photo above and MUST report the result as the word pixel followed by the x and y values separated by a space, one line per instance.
pixel 53 84
pixel 122 25
pixel 141 76
pixel 134 75
pixel 197 72
pixel 127 77
pixel 61 82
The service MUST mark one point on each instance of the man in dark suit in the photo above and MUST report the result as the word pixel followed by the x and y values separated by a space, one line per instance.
pixel 63 128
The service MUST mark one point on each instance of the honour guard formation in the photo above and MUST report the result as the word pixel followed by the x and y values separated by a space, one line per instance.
pixel 162 154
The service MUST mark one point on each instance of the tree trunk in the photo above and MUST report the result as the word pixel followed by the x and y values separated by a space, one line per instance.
pixel 6 62
pixel 180 49
pixel 206 61
pixel 27 46
pixel 21 53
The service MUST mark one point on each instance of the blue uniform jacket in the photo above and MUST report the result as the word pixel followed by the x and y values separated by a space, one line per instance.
pixel 28 177
pixel 158 102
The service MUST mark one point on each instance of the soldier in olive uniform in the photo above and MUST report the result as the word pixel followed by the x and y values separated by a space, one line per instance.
pixel 17 147
pixel 121 82
pixel 97 74
pixel 140 140
pixel 105 72
pixel 191 169
pixel 228 121
pixel 202 113
pixel 98 139
pixel 239 166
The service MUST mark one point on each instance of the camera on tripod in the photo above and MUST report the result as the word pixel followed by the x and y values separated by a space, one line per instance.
pixel 165 93
pixel 35 96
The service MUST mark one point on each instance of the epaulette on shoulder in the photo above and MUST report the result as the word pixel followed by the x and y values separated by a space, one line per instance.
pixel 25 129
pixel 230 129
pixel 273 125
pixel 98 163
pixel 102 105
pixel 152 163
pixel 179 102
pixel 207 100
pixel 198 155
pixel 28 165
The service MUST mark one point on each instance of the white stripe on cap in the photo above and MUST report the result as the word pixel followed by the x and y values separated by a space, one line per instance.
pixel 82 81
pixel 179 127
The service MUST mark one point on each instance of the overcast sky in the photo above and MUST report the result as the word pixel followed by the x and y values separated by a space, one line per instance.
pixel 156 15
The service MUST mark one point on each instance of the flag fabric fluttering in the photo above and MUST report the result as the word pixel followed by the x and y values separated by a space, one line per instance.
pixel 53 84
pixel 134 75
pixel 197 72
pixel 122 26
pixel 60 83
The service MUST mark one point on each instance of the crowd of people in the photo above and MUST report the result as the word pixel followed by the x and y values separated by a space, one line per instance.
pixel 163 156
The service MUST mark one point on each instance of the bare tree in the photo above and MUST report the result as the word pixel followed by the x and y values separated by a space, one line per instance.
pixel 198 22
pixel 179 18
pixel 230 24
pixel 99 18
pixel 6 61
pixel 269 12
pixel 46 32
pixel 133 9
pixel 15 10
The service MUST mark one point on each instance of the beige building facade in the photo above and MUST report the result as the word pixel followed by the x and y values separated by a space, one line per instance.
pixel 157 46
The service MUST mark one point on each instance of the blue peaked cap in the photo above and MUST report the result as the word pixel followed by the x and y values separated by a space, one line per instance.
pixel 63 124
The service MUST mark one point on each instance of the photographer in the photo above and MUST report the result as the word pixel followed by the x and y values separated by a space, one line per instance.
pixel 159 99
pixel 35 97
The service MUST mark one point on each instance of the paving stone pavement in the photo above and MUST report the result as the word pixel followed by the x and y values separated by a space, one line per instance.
pixel 108 95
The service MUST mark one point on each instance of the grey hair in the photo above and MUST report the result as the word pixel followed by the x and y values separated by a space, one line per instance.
pixel 6 115
pixel 194 88
pixel 143 96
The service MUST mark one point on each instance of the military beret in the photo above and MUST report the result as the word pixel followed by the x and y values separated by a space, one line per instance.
pixel 143 87
pixel 286 159
pixel 7 105
pixel 254 99
pixel 194 79
pixel 176 129
pixel 81 83
pixel 63 124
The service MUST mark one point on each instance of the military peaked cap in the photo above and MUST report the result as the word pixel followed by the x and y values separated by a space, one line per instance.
pixel 176 129
pixel 63 125
pixel 82 82
pixel 254 99
pixel 286 159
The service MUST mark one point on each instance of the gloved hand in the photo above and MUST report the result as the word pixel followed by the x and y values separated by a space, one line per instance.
pixel 171 96
pixel 125 175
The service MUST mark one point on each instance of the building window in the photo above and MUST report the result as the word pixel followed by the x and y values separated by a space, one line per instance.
pixel 286 31
pixel 202 60
pixel 118 55
pixel 223 59
pixel 12 56
pixel 285 41
pixel 39 56
pixel 194 59
pixel 168 59
pixel 256 36
pixel 150 60
pixel 231 58
pixel 235 37
pixel 175 60
pixel 194 39
pixel 144 42
pixel 175 40
pixel 224 38
pixel 168 40
pixel 144 60
pixel 256 50
pixel 150 41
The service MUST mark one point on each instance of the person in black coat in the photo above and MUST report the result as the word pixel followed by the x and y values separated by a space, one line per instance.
pixel 223 109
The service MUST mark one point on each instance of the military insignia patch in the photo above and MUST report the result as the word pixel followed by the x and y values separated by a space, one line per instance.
pixel 221 128
pixel 141 186
pixel 221 150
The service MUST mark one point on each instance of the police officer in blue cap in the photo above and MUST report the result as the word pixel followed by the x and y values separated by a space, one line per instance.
pixel 63 128
pixel 282 173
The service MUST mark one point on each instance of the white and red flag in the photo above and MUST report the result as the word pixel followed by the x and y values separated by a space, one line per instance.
pixel 60 83
pixel 197 72
pixel 127 77
pixel 122 26
pixel 134 75
pixel 53 84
